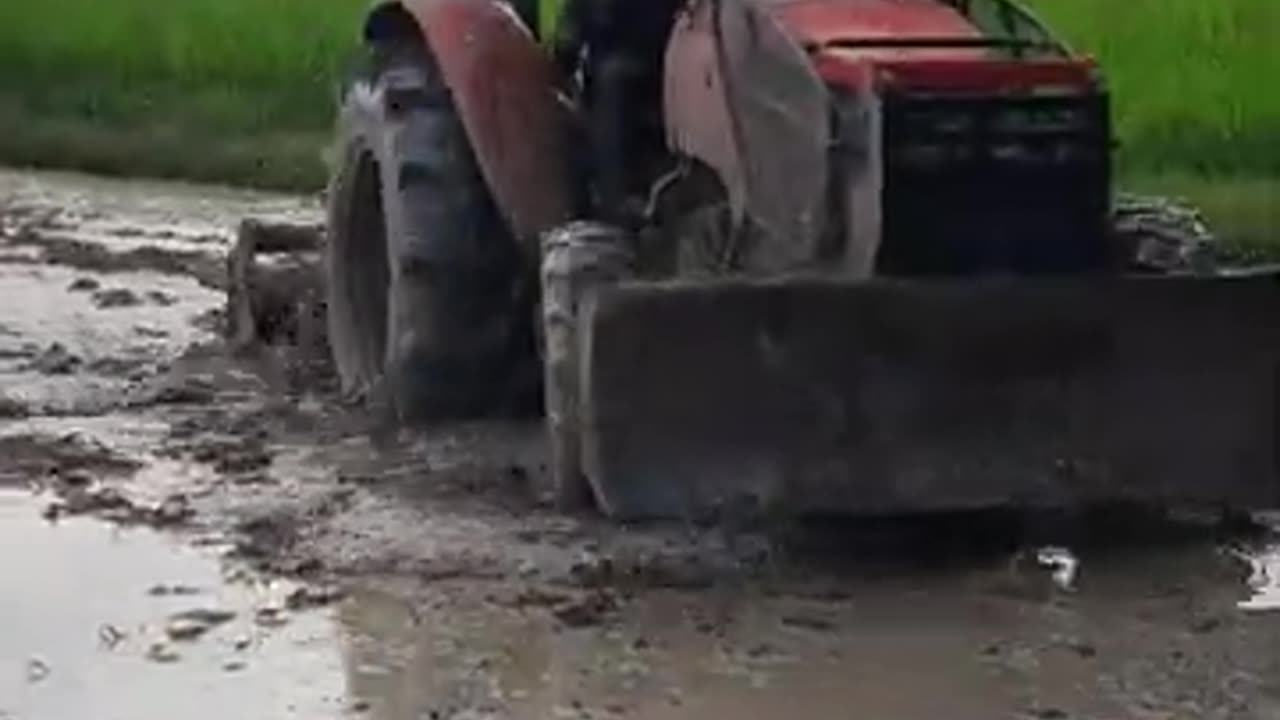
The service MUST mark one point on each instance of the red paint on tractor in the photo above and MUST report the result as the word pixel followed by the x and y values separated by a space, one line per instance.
pixel 822 21
pixel 818 23
pixel 505 90
pixel 958 76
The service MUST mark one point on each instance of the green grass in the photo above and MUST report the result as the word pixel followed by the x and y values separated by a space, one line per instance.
pixel 243 91
pixel 1197 118
pixel 238 90
pixel 1192 80
pixel 1243 211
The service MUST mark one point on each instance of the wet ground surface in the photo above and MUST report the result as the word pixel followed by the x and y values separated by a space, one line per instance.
pixel 189 534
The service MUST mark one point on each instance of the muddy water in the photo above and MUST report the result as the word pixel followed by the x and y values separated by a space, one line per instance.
pixel 978 646
pixel 84 609
pixel 466 597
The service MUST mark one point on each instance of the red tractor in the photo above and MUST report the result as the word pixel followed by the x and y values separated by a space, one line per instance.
pixel 812 255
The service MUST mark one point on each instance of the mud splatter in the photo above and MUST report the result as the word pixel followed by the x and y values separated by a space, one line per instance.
pixel 33 457
pixel 115 298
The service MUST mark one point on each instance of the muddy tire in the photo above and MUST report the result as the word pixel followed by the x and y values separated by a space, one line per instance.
pixel 577 258
pixel 1158 235
pixel 429 307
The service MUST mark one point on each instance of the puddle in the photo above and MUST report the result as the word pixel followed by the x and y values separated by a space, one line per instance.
pixel 478 662
pixel 899 655
pixel 127 213
pixel 82 605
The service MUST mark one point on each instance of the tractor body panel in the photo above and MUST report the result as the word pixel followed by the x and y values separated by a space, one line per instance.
pixel 866 136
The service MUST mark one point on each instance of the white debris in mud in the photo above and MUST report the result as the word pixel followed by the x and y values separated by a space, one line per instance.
pixel 1264 578
pixel 1063 563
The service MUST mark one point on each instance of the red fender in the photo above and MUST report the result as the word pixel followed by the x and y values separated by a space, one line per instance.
pixel 730 68
pixel 504 86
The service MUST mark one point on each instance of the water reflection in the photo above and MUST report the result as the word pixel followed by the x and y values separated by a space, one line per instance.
pixel 1150 632
pixel 677 656
pixel 79 612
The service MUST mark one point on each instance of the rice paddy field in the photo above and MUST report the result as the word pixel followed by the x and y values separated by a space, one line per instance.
pixel 234 90
pixel 243 90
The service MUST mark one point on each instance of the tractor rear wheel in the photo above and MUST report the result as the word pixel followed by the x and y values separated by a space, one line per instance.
pixel 429 304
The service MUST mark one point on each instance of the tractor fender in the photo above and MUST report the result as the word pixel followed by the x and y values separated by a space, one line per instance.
pixel 741 96
pixel 504 87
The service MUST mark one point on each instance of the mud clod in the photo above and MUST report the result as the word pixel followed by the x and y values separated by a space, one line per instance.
pixel 277 298
pixel 115 298
pixel 13 409
pixel 110 636
pixel 308 597
pixel 589 610
pixel 75 479
pixel 37 456
pixel 1205 624
pixel 1081 648
pixel 94 257
pixel 25 352
pixel 184 390
pixel 150 333
pixel 163 653
pixel 37 670
pixel 117 367
pixel 173 510
pixel 193 624
pixel 171 590
pixel 263 538
pixel 243 461
pixel 161 298
pixel 82 496
pixel 55 360
pixel 84 284
pixel 808 622
pixel 85 500
pixel 270 617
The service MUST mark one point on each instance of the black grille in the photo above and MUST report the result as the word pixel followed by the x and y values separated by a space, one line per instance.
pixel 1016 184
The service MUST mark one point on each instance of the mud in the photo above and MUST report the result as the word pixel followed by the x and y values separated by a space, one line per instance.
pixel 212 533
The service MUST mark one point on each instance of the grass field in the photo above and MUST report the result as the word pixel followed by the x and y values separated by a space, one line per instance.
pixel 242 90
pixel 238 90
pixel 1192 79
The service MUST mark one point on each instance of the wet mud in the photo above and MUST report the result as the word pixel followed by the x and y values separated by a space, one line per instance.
pixel 211 523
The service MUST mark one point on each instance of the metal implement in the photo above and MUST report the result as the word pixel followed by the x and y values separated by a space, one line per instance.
pixel 894 396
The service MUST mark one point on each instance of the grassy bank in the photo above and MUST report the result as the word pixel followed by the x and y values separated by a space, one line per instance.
pixel 242 90
pixel 1243 211
pixel 1192 79
pixel 238 90
pixel 1193 107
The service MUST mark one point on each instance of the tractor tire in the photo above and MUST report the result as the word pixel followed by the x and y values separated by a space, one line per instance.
pixel 1158 235
pixel 577 258
pixel 430 305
